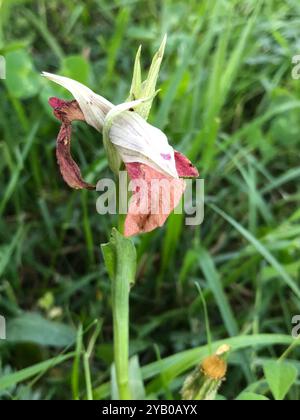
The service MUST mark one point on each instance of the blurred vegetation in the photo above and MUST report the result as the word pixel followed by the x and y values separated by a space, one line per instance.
pixel 229 102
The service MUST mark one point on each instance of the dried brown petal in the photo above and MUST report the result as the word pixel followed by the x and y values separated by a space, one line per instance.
pixel 66 112
pixel 68 167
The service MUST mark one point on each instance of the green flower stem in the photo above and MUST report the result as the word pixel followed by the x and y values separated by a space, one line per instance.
pixel 120 302
pixel 120 260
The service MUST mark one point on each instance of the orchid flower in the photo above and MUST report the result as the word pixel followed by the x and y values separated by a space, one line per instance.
pixel 128 138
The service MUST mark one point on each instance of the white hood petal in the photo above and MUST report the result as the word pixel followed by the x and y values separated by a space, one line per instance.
pixel 93 106
pixel 134 139
pixel 138 141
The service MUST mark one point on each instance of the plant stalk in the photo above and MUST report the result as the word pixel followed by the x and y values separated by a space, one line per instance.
pixel 120 260
pixel 120 303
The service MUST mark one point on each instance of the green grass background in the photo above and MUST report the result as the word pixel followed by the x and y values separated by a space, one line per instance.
pixel 229 102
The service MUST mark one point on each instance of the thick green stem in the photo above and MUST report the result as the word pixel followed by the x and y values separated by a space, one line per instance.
pixel 120 260
pixel 120 301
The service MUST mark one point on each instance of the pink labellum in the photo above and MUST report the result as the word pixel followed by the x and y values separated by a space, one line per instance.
pixel 154 197
pixel 184 166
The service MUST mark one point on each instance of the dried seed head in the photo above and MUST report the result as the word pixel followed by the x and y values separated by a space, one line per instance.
pixel 203 383
pixel 214 367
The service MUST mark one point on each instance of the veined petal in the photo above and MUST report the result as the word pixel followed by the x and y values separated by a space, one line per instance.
pixel 93 106
pixel 139 141
pixel 154 198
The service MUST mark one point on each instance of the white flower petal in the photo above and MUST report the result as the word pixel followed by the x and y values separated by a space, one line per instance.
pixel 138 141
pixel 93 106
pixel 134 138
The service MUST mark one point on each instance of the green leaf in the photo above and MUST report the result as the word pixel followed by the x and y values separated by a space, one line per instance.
pixel 76 67
pixel 146 89
pixel 109 256
pixel 6 9
pixel 280 377
pixel 33 328
pixel 115 396
pixel 136 84
pixel 136 383
pixel 13 183
pixel 261 249
pixel 215 284
pixel 251 396
pixel 6 252
pixel 22 80
pixel 75 376
pixel 120 257
pixel 114 44
pixel 12 379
